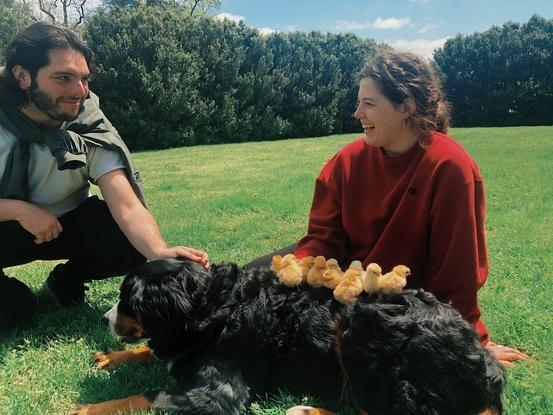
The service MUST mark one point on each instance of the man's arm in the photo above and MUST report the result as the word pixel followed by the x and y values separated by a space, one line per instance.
pixel 137 223
pixel 42 224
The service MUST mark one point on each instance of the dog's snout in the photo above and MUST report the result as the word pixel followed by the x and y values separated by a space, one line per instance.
pixel 111 316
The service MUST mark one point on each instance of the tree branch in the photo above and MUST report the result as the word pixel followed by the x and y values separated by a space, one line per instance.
pixel 46 11
pixel 80 11
pixel 196 2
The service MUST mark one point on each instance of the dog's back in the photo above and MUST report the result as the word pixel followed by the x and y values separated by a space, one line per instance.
pixel 408 353
pixel 282 337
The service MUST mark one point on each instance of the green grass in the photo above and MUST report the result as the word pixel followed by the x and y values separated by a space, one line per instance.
pixel 239 201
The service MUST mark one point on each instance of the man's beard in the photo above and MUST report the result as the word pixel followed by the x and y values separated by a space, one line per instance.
pixel 44 103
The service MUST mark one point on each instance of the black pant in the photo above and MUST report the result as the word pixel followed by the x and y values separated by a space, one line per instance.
pixel 91 241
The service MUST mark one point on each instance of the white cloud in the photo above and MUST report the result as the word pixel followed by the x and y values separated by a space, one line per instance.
pixel 423 47
pixel 428 27
pixel 379 23
pixel 232 17
pixel 350 26
pixel 266 31
pixel 390 23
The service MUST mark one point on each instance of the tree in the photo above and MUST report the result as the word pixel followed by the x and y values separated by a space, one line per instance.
pixel 69 13
pixel 193 7
pixel 169 79
pixel 503 76
pixel 13 18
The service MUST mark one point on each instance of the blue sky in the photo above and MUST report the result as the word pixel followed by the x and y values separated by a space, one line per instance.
pixel 417 25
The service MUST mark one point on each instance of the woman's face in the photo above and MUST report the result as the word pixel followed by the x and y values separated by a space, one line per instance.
pixel 382 121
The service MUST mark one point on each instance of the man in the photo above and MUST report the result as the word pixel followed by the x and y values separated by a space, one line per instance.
pixel 54 140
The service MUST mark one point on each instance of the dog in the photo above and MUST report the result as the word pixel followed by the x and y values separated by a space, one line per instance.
pixel 229 334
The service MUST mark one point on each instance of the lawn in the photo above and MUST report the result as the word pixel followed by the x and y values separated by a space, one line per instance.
pixel 239 201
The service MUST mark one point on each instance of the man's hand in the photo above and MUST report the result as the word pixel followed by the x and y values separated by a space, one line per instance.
pixel 505 354
pixel 40 223
pixel 184 251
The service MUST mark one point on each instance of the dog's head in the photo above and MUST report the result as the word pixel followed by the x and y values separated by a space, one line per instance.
pixel 158 301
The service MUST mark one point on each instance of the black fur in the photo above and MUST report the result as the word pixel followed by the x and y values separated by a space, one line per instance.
pixel 17 302
pixel 232 334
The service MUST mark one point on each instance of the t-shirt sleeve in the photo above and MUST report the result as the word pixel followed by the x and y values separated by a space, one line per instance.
pixel 101 161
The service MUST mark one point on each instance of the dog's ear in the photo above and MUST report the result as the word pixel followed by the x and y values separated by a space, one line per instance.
pixel 225 276
pixel 165 295
pixel 158 267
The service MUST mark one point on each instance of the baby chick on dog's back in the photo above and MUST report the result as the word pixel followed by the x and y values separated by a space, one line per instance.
pixel 395 280
pixel 315 274
pixel 290 273
pixel 371 282
pixel 333 275
pixel 351 285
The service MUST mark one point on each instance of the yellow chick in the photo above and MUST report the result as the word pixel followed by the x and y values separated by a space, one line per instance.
pixel 333 275
pixel 290 273
pixel 395 280
pixel 305 263
pixel 276 263
pixel 351 285
pixel 315 274
pixel 371 282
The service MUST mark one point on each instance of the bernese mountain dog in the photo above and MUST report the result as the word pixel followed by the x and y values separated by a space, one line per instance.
pixel 230 334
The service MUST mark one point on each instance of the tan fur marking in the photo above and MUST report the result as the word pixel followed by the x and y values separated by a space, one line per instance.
pixel 110 358
pixel 125 406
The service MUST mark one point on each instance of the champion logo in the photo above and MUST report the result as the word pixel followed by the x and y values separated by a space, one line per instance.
pixel 413 191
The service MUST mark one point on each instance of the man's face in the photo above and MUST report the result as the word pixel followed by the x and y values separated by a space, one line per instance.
pixel 59 89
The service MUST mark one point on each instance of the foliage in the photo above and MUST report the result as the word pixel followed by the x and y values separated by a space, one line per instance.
pixel 13 17
pixel 235 201
pixel 192 7
pixel 503 76
pixel 168 79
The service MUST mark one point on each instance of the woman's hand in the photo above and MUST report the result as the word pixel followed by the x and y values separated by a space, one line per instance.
pixel 505 354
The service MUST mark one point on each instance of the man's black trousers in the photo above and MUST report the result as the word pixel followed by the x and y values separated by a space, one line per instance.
pixel 91 241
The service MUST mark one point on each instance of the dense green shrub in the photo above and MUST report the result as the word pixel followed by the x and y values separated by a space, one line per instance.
pixel 13 17
pixel 168 80
pixel 503 76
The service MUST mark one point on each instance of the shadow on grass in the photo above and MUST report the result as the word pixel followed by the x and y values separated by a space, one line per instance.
pixel 125 380
pixel 51 322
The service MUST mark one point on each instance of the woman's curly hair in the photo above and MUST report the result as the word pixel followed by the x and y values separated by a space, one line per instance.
pixel 400 75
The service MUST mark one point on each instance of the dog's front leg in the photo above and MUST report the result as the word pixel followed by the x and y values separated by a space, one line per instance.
pixel 121 406
pixel 214 387
pixel 308 410
pixel 109 358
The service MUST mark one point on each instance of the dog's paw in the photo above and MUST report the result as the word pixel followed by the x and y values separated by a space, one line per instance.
pixel 308 410
pixel 102 360
pixel 301 410
pixel 79 410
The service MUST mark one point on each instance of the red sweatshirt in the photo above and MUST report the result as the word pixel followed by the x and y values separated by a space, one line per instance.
pixel 424 209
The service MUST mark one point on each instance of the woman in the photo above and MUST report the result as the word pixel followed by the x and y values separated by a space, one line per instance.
pixel 406 193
